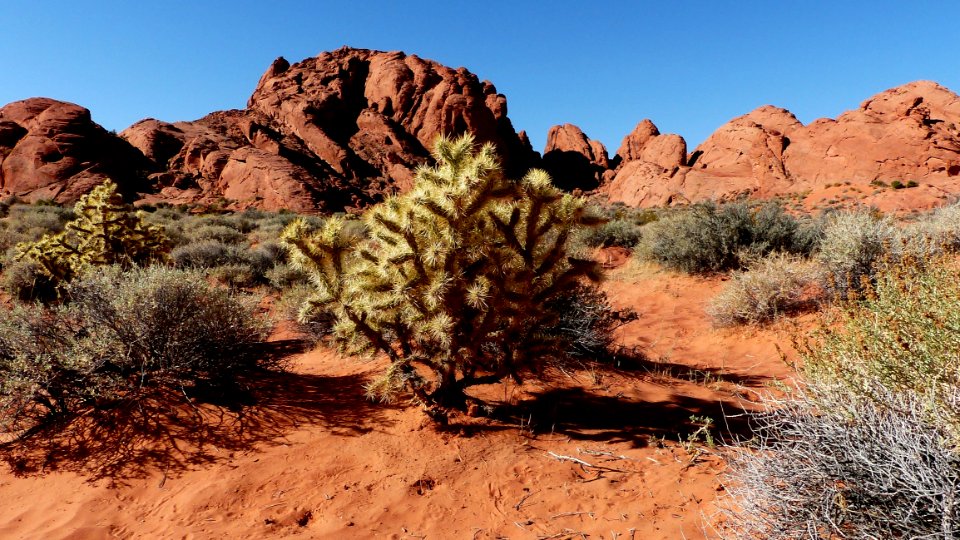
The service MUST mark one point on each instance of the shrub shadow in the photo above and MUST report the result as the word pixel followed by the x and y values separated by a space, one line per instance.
pixel 172 433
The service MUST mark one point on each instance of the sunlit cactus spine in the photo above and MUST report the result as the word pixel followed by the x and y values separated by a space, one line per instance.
pixel 103 233
pixel 452 277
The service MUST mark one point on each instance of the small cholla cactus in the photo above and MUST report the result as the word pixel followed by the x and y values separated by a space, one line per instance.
pixel 104 233
pixel 452 277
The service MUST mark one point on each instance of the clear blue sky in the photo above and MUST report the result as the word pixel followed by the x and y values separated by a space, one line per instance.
pixel 688 66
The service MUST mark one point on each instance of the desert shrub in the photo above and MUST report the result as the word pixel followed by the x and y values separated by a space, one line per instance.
pixel 235 275
pixel 453 276
pixel 25 281
pixel 24 218
pixel 123 335
pixel 284 276
pixel 619 232
pixel 220 233
pixel 622 228
pixel 854 244
pixel 904 334
pixel 708 237
pixel 896 184
pixel 912 184
pixel 314 324
pixel 208 254
pixel 869 448
pixel 584 322
pixel 934 233
pixel 771 287
pixel 103 233
pixel 828 464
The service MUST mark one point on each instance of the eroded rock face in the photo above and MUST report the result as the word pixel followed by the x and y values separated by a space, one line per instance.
pixel 328 133
pixel 51 149
pixel 908 133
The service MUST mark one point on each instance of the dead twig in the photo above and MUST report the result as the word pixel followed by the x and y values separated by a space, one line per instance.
pixel 569 514
pixel 583 463
pixel 523 499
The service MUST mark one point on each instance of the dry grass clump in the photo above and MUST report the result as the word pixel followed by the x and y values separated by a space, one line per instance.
pixel 934 233
pixel 773 286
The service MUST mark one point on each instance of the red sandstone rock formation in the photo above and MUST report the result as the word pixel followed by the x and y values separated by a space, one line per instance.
pixel 573 159
pixel 906 133
pixel 52 150
pixel 329 132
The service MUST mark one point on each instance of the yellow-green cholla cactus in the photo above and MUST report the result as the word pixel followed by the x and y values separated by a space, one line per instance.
pixel 103 233
pixel 452 277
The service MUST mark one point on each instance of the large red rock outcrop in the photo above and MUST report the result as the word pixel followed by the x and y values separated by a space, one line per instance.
pixel 908 133
pixel 573 159
pixel 51 149
pixel 329 132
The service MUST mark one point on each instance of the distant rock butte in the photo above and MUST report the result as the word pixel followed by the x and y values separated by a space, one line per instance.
pixel 341 130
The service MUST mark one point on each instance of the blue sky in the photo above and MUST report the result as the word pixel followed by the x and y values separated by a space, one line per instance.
pixel 688 66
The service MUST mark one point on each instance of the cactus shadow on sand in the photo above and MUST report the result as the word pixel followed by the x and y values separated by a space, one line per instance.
pixel 169 434
pixel 584 414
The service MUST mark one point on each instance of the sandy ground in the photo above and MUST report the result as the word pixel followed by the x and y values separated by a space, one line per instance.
pixel 311 458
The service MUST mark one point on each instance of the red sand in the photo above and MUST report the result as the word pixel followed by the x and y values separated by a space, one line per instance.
pixel 316 460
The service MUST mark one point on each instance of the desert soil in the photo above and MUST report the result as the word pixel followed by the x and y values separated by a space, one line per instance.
pixel 597 453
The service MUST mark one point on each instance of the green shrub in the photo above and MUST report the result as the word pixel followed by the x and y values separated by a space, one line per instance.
pixel 853 247
pixel 912 184
pixel 776 285
pixel 710 238
pixel 124 335
pixel 622 228
pixel 896 184
pixel 453 276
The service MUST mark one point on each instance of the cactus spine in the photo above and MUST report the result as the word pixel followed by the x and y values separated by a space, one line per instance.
pixel 453 276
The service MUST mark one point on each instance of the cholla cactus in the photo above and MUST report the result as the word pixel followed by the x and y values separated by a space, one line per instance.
pixel 452 277
pixel 103 233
